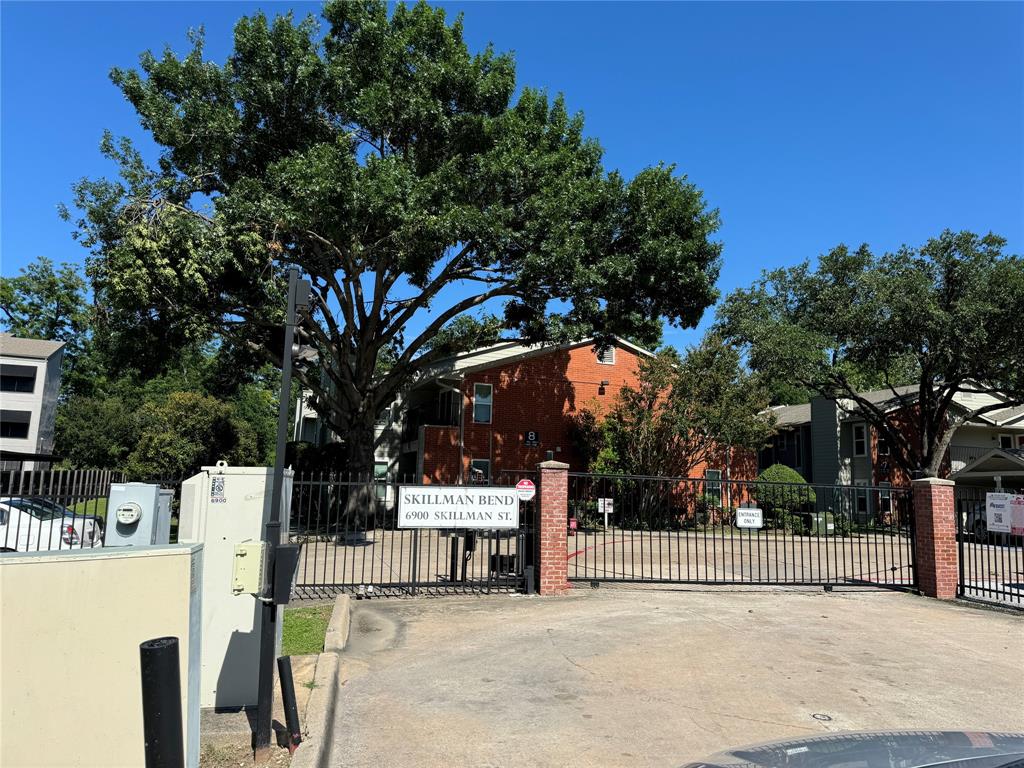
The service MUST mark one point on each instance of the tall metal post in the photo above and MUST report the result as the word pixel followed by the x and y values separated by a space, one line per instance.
pixel 272 533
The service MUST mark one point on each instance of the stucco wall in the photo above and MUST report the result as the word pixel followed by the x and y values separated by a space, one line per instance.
pixel 70 628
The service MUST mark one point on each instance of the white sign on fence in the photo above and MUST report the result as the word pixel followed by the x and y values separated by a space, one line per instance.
pixel 434 506
pixel 1004 512
pixel 605 507
pixel 749 517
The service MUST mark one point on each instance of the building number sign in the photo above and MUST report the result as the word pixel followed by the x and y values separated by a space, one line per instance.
pixel 531 438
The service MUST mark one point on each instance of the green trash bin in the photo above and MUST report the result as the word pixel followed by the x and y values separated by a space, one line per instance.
pixel 820 523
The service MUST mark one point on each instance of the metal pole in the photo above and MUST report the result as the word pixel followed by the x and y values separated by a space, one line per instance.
pixel 272 535
pixel 291 711
pixel 161 703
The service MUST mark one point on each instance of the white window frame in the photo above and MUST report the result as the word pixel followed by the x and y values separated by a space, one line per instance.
pixel 607 351
pixel 864 439
pixel 861 494
pixel 713 485
pixel 380 481
pixel 489 403
pixel 885 498
pixel 1008 436
pixel 883 440
pixel 472 466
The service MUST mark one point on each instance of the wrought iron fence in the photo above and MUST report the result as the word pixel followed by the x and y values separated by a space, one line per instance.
pixel 63 509
pixel 347 528
pixel 991 562
pixel 676 529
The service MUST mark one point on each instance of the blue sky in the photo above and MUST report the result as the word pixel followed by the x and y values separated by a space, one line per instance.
pixel 806 124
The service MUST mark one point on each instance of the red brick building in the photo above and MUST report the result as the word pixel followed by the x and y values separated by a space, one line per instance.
pixel 502 408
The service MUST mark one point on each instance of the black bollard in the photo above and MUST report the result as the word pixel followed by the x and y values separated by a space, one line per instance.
pixel 161 703
pixel 291 711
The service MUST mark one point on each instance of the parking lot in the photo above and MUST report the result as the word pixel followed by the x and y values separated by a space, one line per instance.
pixel 645 677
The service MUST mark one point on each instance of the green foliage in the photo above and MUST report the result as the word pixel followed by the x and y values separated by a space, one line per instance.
pixel 392 165
pixel 188 430
pixel 944 317
pixel 681 414
pixel 784 496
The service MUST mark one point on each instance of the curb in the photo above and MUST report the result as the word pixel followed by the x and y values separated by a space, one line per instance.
pixel 312 753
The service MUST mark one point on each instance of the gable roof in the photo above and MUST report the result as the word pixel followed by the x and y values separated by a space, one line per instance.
pixel 506 352
pixel 1007 462
pixel 791 415
pixel 33 349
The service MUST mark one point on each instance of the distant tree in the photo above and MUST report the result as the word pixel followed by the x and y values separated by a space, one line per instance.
pixel 946 316
pixel 392 167
pixel 45 301
pixel 186 431
pixel 683 413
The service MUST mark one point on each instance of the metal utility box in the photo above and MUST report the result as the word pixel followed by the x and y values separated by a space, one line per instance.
pixel 138 514
pixel 820 523
pixel 223 507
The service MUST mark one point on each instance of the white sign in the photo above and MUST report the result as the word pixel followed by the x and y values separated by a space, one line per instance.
pixel 749 517
pixel 605 507
pixel 436 506
pixel 1004 512
pixel 525 489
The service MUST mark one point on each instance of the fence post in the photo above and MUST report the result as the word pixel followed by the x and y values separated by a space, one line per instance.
pixel 935 546
pixel 552 520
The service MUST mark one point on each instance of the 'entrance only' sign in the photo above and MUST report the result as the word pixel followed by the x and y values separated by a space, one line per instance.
pixel 435 506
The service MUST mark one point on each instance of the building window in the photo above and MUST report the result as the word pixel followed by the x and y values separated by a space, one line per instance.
pixel 380 479
pixel 713 486
pixel 1006 442
pixel 606 356
pixel 782 441
pixel 1020 441
pixel 885 498
pixel 482 403
pixel 17 382
pixel 480 472
pixel 861 498
pixel 860 440
pixel 14 424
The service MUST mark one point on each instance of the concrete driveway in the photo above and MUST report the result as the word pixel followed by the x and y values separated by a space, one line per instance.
pixel 642 677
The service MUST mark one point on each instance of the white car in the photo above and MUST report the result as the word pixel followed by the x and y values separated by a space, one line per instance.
pixel 31 524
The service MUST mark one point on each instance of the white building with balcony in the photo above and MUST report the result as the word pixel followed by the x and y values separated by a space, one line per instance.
pixel 29 385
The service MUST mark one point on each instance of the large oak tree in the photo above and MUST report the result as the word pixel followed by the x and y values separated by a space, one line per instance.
pixel 398 172
pixel 946 316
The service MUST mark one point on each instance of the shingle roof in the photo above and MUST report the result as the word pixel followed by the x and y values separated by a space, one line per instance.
pixel 35 349
pixel 792 415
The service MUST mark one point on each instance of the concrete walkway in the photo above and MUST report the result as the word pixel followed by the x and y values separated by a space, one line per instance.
pixel 635 677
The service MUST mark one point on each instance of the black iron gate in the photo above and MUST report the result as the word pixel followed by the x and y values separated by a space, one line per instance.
pixel 991 562
pixel 671 529
pixel 359 548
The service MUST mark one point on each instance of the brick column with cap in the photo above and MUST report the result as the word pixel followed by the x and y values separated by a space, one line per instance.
pixel 552 520
pixel 935 551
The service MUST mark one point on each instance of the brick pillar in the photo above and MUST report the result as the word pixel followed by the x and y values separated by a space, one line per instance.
pixel 935 552
pixel 552 520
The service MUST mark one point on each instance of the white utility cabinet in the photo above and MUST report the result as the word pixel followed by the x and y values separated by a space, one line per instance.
pixel 222 507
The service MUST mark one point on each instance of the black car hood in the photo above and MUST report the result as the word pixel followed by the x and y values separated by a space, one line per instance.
pixel 883 749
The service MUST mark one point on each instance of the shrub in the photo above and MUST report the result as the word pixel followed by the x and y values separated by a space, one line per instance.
pixel 783 494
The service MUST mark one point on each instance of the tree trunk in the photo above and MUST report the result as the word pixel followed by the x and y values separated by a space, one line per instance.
pixel 361 506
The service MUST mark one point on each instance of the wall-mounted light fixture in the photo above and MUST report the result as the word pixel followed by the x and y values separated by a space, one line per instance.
pixel 600 389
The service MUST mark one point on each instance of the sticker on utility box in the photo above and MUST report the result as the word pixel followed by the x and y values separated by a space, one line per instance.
pixel 749 517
